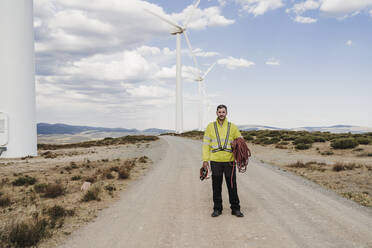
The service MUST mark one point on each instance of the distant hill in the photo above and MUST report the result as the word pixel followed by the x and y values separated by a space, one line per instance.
pixel 332 129
pixel 59 128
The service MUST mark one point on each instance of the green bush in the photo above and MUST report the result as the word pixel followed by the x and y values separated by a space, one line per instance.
pixel 344 143
pixel 24 181
pixel 302 146
pixel 318 139
pixel 363 140
pixel 303 140
pixel 248 137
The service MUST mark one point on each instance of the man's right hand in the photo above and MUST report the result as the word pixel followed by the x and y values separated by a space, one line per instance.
pixel 205 164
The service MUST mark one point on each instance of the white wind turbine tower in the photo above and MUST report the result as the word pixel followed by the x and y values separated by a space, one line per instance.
pixel 201 86
pixel 178 31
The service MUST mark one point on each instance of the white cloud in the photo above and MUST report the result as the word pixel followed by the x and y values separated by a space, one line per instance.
pixel 259 7
pixel 202 18
pixel 337 7
pixel 302 19
pixel 200 53
pixel 349 43
pixel 300 8
pixel 370 12
pixel 273 61
pixel 234 63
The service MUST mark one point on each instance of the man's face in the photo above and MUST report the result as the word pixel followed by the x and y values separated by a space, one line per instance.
pixel 221 114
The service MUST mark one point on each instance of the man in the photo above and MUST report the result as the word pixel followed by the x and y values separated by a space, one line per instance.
pixel 217 149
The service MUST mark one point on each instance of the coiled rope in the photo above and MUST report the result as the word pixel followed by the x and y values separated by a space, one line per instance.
pixel 241 156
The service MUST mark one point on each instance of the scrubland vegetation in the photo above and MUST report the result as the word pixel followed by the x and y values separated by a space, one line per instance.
pixel 337 161
pixel 43 201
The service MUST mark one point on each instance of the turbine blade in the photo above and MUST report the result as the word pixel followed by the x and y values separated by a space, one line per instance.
pixel 209 69
pixel 164 19
pixel 186 23
pixel 192 52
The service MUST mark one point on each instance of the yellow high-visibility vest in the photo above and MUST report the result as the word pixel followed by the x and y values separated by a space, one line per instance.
pixel 217 145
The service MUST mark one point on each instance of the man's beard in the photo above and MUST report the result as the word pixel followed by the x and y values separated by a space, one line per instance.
pixel 221 118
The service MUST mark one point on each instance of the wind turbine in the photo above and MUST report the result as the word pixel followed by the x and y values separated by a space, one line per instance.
pixel 201 86
pixel 178 31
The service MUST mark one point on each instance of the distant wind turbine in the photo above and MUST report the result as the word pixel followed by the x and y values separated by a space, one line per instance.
pixel 201 86
pixel 178 31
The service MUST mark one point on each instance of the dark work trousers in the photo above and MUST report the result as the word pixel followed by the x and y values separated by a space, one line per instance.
pixel 218 169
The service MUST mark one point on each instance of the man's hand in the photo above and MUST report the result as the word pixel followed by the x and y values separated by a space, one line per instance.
pixel 205 164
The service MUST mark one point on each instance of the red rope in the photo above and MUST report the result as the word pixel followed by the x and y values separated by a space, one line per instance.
pixel 241 156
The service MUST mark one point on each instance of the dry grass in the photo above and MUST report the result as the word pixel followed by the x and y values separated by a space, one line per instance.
pixel 55 198
pixel 92 194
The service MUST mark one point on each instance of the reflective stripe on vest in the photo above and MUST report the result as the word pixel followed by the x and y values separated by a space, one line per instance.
pixel 220 148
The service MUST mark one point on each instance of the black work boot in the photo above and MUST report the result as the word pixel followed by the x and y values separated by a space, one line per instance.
pixel 237 213
pixel 216 213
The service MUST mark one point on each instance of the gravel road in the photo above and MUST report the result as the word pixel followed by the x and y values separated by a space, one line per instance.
pixel 171 207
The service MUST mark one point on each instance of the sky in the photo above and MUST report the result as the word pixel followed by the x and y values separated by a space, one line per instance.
pixel 281 63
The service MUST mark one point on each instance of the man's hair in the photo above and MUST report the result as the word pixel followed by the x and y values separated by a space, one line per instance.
pixel 221 106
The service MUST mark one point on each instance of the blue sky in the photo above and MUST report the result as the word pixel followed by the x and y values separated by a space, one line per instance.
pixel 279 63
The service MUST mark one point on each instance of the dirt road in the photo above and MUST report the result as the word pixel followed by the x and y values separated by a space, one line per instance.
pixel 171 207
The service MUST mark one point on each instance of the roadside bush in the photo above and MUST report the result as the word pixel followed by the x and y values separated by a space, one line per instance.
pixel 298 164
pixel 284 143
pixel 302 146
pixel 75 178
pixel 248 137
pixel 4 201
pixel 341 167
pixel 318 139
pixel 24 181
pixel 110 188
pixel 143 159
pixel 40 187
pixel 363 140
pixel 56 212
pixel 303 140
pixel 54 190
pixel 344 143
pixel 327 153
pixel 92 194
pixel 27 233
pixel 124 172
pixel 288 137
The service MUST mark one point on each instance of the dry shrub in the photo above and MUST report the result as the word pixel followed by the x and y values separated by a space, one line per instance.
pixel 362 198
pixel 92 194
pixel 143 159
pixel 110 188
pixel 75 178
pixel 124 172
pixel 25 233
pixel 298 164
pixel 107 174
pixel 91 179
pixel 40 187
pixel 54 190
pixel 311 165
pixel 342 167
pixel 281 146
pixel 49 154
pixel 57 212
pixel 4 200
pixel 24 181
